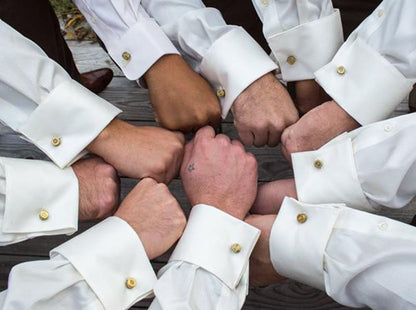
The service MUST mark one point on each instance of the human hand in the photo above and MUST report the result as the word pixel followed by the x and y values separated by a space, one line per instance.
pixel 154 214
pixel 263 111
pixel 140 152
pixel 99 188
pixel 218 172
pixel 262 272
pixel 271 195
pixel 309 95
pixel 181 98
pixel 316 128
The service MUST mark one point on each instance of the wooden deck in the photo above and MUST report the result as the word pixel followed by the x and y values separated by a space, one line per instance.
pixel 137 110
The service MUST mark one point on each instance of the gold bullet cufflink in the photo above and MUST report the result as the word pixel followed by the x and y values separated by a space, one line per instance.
pixel 131 283
pixel 302 218
pixel 236 248
pixel 43 215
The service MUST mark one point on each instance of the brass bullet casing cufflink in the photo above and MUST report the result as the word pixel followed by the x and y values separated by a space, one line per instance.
pixel 236 248
pixel 302 218
pixel 126 56
pixel 318 164
pixel 131 283
pixel 341 70
pixel 56 141
pixel 221 93
pixel 291 60
pixel 43 215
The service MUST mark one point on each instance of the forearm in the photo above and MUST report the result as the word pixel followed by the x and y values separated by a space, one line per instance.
pixel 348 253
pixel 48 206
pixel 40 101
pixel 375 68
pixel 74 277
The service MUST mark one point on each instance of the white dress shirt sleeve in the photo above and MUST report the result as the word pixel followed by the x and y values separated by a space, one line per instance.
pixel 204 272
pixel 225 55
pixel 36 199
pixel 88 272
pixel 304 35
pixel 359 259
pixel 39 100
pixel 133 39
pixel 376 67
pixel 371 166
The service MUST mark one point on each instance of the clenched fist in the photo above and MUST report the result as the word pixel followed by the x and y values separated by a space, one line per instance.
pixel 181 98
pixel 220 173
pixel 99 188
pixel 155 215
pixel 140 152
pixel 316 128
pixel 263 111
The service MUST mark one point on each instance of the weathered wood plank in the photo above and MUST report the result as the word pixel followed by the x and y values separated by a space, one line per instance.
pixel 89 56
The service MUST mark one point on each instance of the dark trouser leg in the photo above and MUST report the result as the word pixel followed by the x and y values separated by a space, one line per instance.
pixel 36 20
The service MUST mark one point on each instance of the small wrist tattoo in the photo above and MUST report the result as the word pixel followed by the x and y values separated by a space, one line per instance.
pixel 191 167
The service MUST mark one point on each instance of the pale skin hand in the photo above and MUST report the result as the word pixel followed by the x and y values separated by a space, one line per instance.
pixel 271 195
pixel 220 173
pixel 309 95
pixel 99 188
pixel 140 152
pixel 316 128
pixel 155 215
pixel 262 272
pixel 262 111
pixel 181 98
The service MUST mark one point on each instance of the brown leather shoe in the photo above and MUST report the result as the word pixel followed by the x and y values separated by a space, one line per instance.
pixel 97 80
pixel 412 100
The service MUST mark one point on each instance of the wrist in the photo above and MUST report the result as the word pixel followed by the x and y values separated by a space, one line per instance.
pixel 162 66
pixel 100 142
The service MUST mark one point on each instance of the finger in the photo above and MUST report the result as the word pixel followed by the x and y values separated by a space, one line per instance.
pixel 238 144
pixel 271 195
pixel 274 138
pixel 215 122
pixel 260 138
pixel 223 138
pixel 206 132
pixel 246 137
pixel 180 137
pixel 286 154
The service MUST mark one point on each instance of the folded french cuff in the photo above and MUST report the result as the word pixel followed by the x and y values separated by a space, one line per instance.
pixel 329 175
pixel 67 121
pixel 297 247
pixel 140 47
pixel 233 63
pixel 218 243
pixel 107 255
pixel 306 48
pixel 366 85
pixel 34 186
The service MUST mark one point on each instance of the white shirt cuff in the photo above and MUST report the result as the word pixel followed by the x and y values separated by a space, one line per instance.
pixel 30 187
pixel 140 47
pixel 106 256
pixel 208 242
pixel 67 121
pixel 233 63
pixel 363 82
pixel 306 48
pixel 297 248
pixel 329 175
